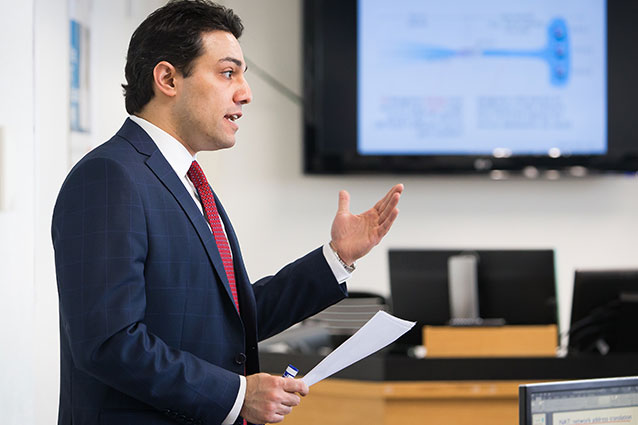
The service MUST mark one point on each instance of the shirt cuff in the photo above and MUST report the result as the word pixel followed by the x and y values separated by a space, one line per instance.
pixel 341 274
pixel 239 402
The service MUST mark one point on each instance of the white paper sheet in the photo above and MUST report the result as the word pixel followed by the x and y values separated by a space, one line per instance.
pixel 382 329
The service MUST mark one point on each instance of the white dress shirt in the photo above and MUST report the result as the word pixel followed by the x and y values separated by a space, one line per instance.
pixel 180 160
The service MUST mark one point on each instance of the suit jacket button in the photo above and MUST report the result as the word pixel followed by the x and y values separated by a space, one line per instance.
pixel 240 358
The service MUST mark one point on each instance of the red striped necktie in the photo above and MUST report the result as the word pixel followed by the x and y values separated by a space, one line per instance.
pixel 198 178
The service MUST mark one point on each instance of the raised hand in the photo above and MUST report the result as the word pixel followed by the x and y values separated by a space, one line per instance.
pixel 353 236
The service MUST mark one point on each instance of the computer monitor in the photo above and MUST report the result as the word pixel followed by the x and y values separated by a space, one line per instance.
pixel 518 286
pixel 590 401
pixel 604 311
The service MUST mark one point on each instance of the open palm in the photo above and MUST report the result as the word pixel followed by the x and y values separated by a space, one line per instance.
pixel 353 236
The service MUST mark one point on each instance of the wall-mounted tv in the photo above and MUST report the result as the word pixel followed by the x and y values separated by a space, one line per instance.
pixel 461 86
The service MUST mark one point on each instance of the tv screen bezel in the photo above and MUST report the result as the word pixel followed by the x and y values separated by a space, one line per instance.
pixel 330 109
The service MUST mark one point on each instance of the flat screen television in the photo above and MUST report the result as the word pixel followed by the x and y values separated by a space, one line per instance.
pixel 461 86
pixel 516 286
pixel 587 401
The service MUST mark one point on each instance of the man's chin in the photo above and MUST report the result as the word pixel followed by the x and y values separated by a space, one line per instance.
pixel 219 145
pixel 229 144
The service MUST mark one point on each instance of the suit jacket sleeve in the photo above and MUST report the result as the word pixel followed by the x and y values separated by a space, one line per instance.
pixel 299 290
pixel 100 242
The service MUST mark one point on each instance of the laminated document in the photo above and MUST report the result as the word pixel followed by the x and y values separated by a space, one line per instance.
pixel 381 330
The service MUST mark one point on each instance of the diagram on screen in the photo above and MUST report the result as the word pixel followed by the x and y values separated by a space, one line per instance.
pixel 515 77
pixel 555 52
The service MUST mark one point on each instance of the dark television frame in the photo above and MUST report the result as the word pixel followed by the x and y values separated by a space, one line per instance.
pixel 330 81
pixel 518 285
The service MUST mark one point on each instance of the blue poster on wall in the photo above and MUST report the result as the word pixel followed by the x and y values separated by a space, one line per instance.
pixel 79 84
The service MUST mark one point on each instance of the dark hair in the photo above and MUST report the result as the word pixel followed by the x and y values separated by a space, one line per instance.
pixel 172 33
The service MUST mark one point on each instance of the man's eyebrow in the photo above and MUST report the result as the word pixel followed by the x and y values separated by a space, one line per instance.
pixel 233 60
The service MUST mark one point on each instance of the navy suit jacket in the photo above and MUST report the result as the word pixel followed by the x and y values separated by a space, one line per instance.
pixel 148 329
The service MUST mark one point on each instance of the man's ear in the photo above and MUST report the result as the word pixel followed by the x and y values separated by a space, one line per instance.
pixel 164 76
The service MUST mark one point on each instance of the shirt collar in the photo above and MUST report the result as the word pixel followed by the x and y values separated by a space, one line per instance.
pixel 175 153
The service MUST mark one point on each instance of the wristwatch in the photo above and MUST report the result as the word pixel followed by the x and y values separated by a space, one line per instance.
pixel 348 268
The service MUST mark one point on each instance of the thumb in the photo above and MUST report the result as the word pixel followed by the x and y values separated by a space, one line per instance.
pixel 296 386
pixel 344 202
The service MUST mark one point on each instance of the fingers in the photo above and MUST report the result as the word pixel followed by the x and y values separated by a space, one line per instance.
pixel 296 386
pixel 344 202
pixel 390 211
pixel 384 227
pixel 391 200
pixel 389 208
pixel 269 398
pixel 383 202
pixel 290 400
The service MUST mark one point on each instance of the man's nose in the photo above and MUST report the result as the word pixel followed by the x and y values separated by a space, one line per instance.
pixel 244 95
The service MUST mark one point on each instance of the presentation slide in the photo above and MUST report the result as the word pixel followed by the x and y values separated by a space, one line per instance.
pixel 491 77
pixel 621 415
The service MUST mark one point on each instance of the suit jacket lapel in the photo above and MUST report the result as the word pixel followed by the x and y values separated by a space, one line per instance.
pixel 247 301
pixel 165 173
pixel 241 276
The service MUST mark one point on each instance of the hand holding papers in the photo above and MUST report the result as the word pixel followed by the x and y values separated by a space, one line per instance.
pixel 378 332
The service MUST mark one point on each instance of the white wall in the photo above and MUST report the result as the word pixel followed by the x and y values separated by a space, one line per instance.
pixel 51 157
pixel 17 174
pixel 278 212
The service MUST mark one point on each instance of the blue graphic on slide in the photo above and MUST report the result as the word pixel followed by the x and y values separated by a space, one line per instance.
pixel 555 53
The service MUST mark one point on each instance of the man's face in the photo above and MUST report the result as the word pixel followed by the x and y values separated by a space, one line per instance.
pixel 209 101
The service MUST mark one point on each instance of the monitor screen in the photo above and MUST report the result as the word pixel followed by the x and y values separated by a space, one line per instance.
pixel 462 86
pixel 591 401
pixel 518 286
pixel 495 77
pixel 604 311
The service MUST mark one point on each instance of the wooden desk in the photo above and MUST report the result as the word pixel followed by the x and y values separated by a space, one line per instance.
pixel 338 401
pixel 388 389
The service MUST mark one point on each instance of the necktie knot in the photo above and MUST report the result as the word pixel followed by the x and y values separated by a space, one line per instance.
pixel 197 176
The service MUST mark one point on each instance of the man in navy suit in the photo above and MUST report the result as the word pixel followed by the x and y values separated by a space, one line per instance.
pixel 158 320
